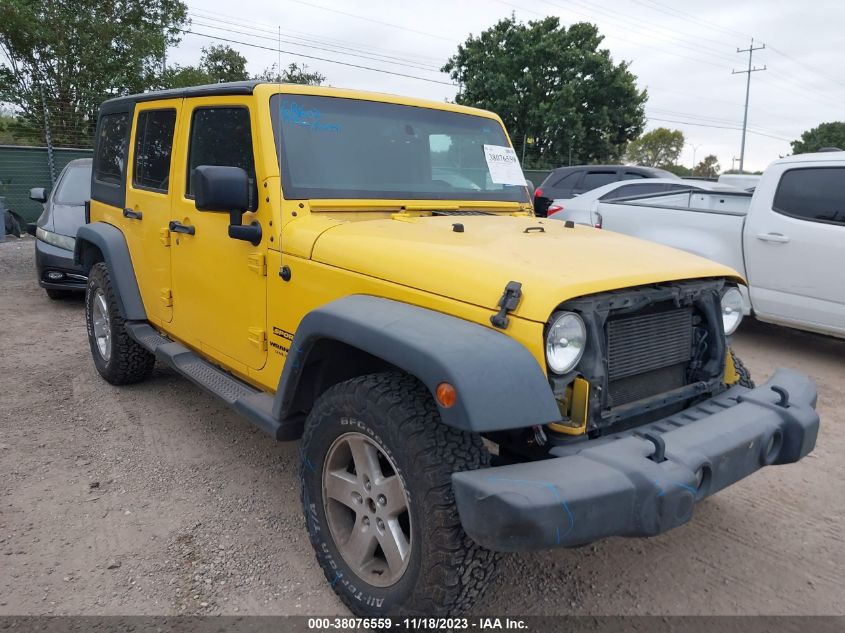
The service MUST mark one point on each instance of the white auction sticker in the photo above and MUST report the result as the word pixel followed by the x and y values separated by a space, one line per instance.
pixel 503 165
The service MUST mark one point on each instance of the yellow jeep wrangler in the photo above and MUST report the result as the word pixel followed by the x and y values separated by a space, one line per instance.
pixel 365 272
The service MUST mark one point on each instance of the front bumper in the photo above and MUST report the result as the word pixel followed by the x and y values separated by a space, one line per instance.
pixel 621 486
pixel 49 258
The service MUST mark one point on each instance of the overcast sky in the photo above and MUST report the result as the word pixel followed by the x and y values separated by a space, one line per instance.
pixel 682 51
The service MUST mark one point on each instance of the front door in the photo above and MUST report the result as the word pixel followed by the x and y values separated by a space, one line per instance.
pixel 794 248
pixel 147 212
pixel 219 283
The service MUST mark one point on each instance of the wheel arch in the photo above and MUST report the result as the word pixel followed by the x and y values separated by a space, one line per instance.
pixel 103 242
pixel 498 382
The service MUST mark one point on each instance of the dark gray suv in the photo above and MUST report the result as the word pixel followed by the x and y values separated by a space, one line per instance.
pixel 55 230
pixel 568 182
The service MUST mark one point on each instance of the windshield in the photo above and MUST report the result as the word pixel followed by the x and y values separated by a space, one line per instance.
pixel 75 187
pixel 347 148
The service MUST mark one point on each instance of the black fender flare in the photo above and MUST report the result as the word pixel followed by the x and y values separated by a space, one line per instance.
pixel 109 240
pixel 499 383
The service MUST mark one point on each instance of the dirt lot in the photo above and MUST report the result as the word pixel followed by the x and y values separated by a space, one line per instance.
pixel 157 499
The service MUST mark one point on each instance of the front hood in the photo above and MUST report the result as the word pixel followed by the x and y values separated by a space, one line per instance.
pixel 474 266
pixel 66 219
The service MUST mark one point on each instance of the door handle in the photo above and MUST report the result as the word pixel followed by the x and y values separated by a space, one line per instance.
pixel 774 238
pixel 178 227
pixel 132 215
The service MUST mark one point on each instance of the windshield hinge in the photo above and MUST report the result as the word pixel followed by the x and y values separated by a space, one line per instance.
pixel 507 303
pixel 257 263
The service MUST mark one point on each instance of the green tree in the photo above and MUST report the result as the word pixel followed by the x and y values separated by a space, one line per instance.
pixel 656 148
pixel 217 64
pixel 679 170
pixel 71 56
pixel 553 85
pixel 707 168
pixel 825 135
pixel 293 74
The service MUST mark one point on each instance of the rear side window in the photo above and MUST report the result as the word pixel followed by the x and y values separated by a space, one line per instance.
pixel 633 190
pixel 221 136
pixel 595 179
pixel 568 181
pixel 111 148
pixel 632 175
pixel 153 148
pixel 816 194
pixel 74 187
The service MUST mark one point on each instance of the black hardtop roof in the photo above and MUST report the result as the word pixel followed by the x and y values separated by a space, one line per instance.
pixel 226 88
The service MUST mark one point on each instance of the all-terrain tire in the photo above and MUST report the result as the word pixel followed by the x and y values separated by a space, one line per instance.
pixel 446 570
pixel 742 371
pixel 127 362
pixel 57 294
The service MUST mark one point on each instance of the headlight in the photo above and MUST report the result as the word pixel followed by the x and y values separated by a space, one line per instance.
pixel 565 342
pixel 731 310
pixel 62 241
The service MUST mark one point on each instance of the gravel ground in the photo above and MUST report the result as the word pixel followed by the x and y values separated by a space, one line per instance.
pixel 157 499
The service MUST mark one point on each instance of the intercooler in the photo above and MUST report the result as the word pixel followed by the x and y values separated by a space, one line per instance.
pixel 648 354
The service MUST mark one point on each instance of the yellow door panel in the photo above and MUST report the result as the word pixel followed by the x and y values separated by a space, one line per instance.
pixel 147 213
pixel 219 283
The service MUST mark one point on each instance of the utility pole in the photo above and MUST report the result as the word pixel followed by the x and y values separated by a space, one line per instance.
pixel 750 50
pixel 694 150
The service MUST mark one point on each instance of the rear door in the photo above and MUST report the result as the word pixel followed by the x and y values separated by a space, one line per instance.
pixel 147 210
pixel 595 178
pixel 794 246
pixel 563 187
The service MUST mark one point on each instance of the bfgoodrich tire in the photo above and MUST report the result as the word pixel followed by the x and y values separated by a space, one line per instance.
pixel 377 495
pixel 118 357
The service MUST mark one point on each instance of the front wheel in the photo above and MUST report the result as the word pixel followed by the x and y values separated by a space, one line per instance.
pixel 742 371
pixel 377 495
pixel 117 356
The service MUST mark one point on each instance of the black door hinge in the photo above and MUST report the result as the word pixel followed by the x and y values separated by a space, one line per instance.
pixel 507 303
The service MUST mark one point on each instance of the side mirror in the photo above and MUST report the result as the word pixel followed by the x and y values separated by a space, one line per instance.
pixel 39 194
pixel 225 189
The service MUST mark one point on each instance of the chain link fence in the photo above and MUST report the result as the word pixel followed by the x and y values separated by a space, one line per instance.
pixel 22 168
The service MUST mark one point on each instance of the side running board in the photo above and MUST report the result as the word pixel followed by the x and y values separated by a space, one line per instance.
pixel 243 398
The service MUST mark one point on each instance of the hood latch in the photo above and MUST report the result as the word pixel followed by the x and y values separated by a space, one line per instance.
pixel 507 303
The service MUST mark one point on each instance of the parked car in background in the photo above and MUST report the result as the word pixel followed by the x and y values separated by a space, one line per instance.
pixel 746 182
pixel 55 230
pixel 567 182
pixel 583 209
pixel 786 238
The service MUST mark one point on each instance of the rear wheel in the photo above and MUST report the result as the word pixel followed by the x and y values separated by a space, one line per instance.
pixel 377 495
pixel 117 356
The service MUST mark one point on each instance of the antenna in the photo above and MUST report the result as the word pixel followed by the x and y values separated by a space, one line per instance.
pixel 279 139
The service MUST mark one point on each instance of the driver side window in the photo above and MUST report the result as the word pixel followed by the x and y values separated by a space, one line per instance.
pixel 222 136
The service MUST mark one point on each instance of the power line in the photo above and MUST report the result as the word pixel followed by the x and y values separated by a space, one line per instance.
pixel 808 67
pixel 321 48
pixel 374 21
pixel 750 50
pixel 270 29
pixel 618 37
pixel 632 22
pixel 718 127
pixel 694 19
pixel 322 59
